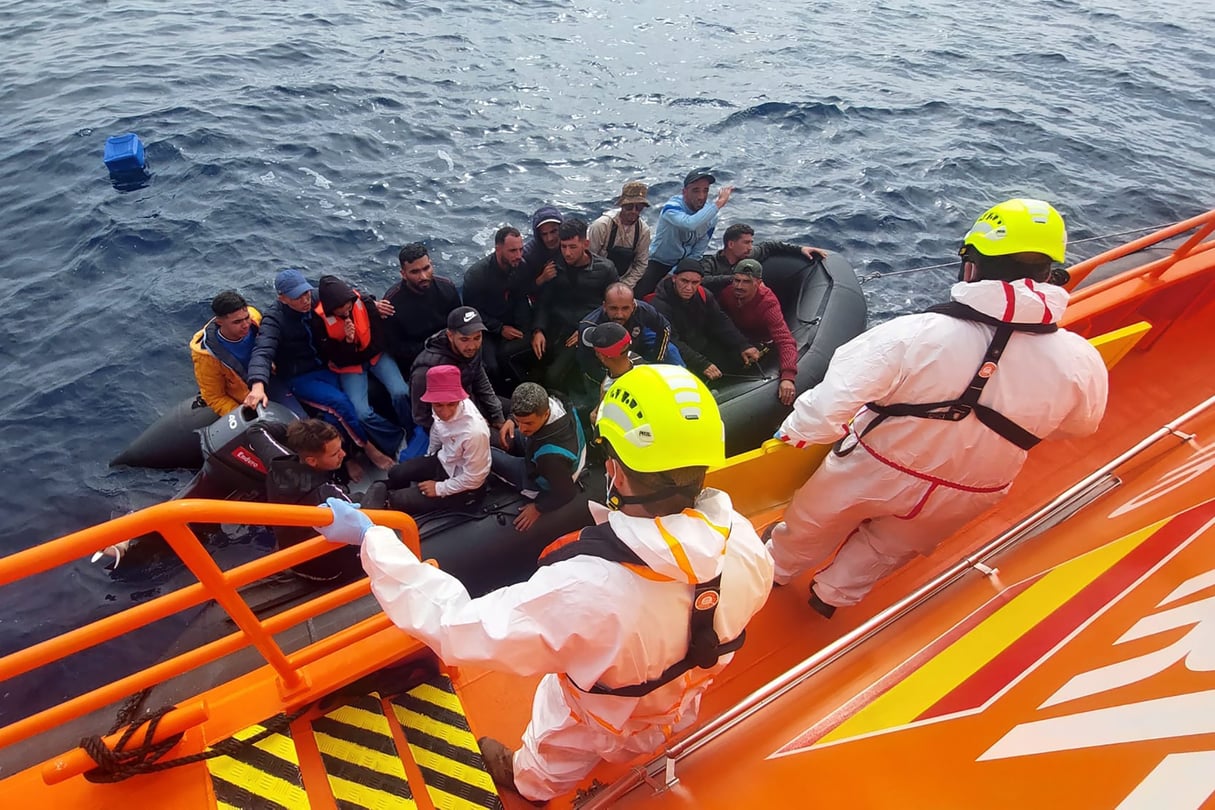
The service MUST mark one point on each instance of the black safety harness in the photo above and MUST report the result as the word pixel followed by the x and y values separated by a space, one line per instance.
pixel 704 647
pixel 955 410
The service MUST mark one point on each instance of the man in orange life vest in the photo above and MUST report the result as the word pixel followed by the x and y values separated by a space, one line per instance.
pixel 350 335
pixel 629 620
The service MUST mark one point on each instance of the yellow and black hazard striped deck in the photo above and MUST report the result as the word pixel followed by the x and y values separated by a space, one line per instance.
pixel 444 748
pixel 262 776
pixel 361 759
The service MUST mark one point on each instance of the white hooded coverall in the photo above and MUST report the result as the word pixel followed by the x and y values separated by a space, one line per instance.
pixel 911 482
pixel 588 621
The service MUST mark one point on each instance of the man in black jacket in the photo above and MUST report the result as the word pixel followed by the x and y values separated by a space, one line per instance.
pixel 304 468
pixel 738 243
pixel 546 452
pixel 496 286
pixel 421 302
pixel 707 339
pixel 648 329
pixel 460 346
pixel 287 344
pixel 578 288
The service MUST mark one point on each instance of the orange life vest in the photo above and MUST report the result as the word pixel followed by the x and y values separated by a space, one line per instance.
pixel 335 328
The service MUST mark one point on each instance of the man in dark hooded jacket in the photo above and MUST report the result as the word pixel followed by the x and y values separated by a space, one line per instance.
pixel 541 251
pixel 707 339
pixel 351 337
pixel 460 346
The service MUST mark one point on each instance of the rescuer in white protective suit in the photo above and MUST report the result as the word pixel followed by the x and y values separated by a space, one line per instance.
pixel 608 617
pixel 933 415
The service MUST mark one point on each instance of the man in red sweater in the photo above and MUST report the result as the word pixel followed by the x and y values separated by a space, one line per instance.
pixel 756 312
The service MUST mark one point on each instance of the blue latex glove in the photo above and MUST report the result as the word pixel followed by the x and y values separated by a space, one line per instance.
pixel 349 524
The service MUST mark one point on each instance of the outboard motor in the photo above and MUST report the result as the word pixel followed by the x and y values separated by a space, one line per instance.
pixel 232 468
pixel 231 463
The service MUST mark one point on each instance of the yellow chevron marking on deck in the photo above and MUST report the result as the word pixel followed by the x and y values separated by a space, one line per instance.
pixel 440 697
pixel 263 776
pixel 957 662
pixel 444 748
pixel 360 756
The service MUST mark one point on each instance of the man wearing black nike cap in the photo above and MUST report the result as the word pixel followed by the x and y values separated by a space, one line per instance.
pixel 685 226
pixel 459 345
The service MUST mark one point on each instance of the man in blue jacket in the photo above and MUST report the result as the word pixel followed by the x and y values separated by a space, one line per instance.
pixel 649 331
pixel 287 346
pixel 685 226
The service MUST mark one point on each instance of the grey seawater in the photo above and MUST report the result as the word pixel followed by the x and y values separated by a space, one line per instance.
pixel 323 135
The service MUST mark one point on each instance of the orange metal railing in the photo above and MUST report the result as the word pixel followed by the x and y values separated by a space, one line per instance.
pixel 170 520
pixel 1203 226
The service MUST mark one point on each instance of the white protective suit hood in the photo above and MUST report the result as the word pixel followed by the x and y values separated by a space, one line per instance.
pixel 1020 301
pixel 699 552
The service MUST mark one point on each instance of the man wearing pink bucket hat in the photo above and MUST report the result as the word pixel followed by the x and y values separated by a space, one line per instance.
pixel 456 463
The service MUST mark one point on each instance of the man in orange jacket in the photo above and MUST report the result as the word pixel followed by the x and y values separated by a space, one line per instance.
pixel 221 352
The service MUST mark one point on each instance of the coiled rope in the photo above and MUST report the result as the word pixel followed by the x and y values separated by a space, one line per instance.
pixel 120 762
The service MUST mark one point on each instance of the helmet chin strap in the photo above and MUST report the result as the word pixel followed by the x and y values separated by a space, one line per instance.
pixel 615 499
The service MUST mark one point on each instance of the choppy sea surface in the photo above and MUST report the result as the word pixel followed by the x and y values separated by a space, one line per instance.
pixel 324 135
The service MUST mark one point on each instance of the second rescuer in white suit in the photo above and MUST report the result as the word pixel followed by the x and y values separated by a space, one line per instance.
pixel 613 612
pixel 897 485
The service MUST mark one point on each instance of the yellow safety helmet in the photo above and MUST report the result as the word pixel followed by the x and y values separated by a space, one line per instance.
pixel 662 417
pixel 1019 226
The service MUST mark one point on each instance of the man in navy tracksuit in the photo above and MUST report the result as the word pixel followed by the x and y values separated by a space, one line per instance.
pixel 287 346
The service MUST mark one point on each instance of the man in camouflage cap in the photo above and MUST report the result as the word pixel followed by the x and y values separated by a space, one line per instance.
pixel 621 236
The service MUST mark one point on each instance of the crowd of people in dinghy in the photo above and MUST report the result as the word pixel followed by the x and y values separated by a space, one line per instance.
pixel 629 620
pixel 498 377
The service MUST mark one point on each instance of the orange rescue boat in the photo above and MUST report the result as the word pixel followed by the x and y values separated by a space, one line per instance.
pixel 1053 652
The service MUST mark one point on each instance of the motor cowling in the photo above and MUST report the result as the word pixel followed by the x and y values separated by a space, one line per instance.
pixel 230 461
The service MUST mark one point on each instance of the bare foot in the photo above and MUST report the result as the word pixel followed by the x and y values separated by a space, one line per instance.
pixel 354 470
pixel 376 456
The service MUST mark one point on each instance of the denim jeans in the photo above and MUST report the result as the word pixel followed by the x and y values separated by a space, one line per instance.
pixel 386 435
pixel 512 470
pixel 322 390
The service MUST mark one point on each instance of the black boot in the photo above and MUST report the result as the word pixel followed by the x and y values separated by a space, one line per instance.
pixel 500 764
pixel 822 608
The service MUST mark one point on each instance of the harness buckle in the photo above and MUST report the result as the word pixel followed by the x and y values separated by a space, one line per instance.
pixel 957 412
pixel 954 412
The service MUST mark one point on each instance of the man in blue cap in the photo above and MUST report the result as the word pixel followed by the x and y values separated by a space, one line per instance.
pixel 685 226
pixel 286 344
